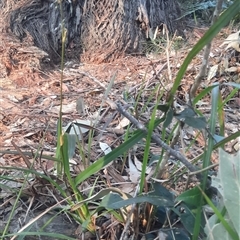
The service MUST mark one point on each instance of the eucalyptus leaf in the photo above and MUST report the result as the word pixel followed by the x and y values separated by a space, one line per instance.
pixel 174 234
pixel 196 122
pixel 163 107
pixel 104 193
pixel 233 84
pixel 110 199
pixel 189 117
pixel 169 118
pixel 71 145
pixel 160 214
pixel 159 190
pixel 154 200
pixel 187 112
pixel 190 197
pixel 188 218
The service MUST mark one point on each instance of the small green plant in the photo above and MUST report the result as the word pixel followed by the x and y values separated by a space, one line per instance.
pixel 225 222
pixel 157 43
pixel 151 200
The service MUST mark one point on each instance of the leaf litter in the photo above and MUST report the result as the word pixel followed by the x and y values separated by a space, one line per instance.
pixel 29 112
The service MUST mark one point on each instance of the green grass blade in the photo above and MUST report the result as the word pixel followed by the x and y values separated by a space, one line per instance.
pixel 41 175
pixel 50 235
pixel 223 20
pixel 207 156
pixel 221 115
pixel 147 149
pixel 232 93
pixel 59 144
pixel 103 161
pixel 203 93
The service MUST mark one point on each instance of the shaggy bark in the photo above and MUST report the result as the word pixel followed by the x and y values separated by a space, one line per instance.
pixel 111 28
pixel 104 30
pixel 42 20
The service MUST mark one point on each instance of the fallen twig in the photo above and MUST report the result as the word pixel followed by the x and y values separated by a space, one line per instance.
pixel 161 143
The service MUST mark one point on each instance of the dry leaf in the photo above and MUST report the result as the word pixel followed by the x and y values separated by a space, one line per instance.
pixel 134 174
pixel 105 148
pixel 123 123
pixel 233 40
pixel 212 72
pixel 139 165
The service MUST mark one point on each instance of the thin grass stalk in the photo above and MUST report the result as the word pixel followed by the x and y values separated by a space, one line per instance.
pixel 20 192
pixel 92 131
pixel 103 161
pixel 139 95
pixel 155 91
pixel 90 139
pixel 167 49
pixel 161 163
pixel 175 133
pixel 228 98
pixel 81 146
pixel 202 94
pixel 59 125
pixel 216 146
pixel 223 20
pixel 221 115
pixel 207 157
pixel 83 211
pixel 125 154
pixel 147 148
pixel 49 235
pixel 12 211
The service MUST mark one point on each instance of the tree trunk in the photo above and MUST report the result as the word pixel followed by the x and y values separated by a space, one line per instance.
pixel 101 30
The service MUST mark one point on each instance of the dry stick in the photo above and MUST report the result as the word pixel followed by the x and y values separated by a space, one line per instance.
pixel 199 171
pixel 204 169
pixel 25 159
pixel 157 140
pixel 206 53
